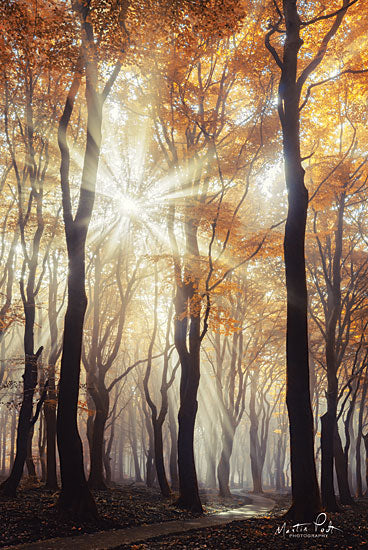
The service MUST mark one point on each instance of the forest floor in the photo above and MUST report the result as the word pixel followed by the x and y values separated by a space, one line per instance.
pixel 32 517
pixel 348 530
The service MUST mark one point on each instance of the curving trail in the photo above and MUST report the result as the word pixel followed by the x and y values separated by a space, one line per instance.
pixel 105 540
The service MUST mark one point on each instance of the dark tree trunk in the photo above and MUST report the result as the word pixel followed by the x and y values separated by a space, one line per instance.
pixel 50 419
pixel 31 468
pixel 12 437
pixel 159 460
pixel 121 458
pixel 107 465
pixel 100 397
pixel 341 466
pixel 223 469
pixel 328 424
pixel 133 442
pixel 75 498
pixel 10 485
pixel 254 446
pixel 4 424
pixel 305 492
pixel 358 474
pixel 51 401
pixel 365 439
pixel 189 382
pixel 278 470
pixel 155 431
pixel 42 447
pixel 173 463
pixel 150 467
pixel 96 477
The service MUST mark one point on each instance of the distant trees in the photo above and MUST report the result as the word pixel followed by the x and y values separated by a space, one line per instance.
pixel 176 265
pixel 27 136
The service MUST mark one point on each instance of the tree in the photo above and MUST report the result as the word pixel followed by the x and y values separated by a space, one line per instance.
pixel 75 498
pixel 306 499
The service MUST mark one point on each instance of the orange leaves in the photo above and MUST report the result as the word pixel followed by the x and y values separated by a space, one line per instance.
pixel 222 322
pixel 82 407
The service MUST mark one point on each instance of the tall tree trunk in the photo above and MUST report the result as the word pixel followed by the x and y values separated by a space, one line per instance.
pixel 12 437
pixel 365 439
pixel 4 418
pixel 341 466
pixel 189 382
pixel 133 442
pixel 75 498
pixel 9 486
pixel 51 401
pixel 173 462
pixel 305 492
pixel 358 442
pixel 211 482
pixel 159 459
pixel 100 397
pixel 190 367
pixel 42 447
pixel 31 468
pixel 254 446
pixel 50 419
pixel 223 469
pixel 328 425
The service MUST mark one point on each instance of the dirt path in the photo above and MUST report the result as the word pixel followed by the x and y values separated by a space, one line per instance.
pixel 105 540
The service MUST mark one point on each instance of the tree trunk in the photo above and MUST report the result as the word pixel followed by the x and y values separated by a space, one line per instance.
pixel 42 447
pixel 12 437
pixel 223 469
pixel 173 463
pixel 75 498
pixel 51 401
pixel 341 467
pixel 96 477
pixel 100 396
pixel 31 468
pixel 50 419
pixel 133 442
pixel 359 484
pixel 159 459
pixel 328 426
pixel 305 492
pixel 10 485
pixel 254 446
pixel 107 464
pixel 189 382
pixel 121 458
pixel 4 424
pixel 365 438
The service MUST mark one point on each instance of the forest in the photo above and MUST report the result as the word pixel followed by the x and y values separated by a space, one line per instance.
pixel 184 274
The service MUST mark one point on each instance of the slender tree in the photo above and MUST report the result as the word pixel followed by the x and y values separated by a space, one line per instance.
pixel 306 498
pixel 75 497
